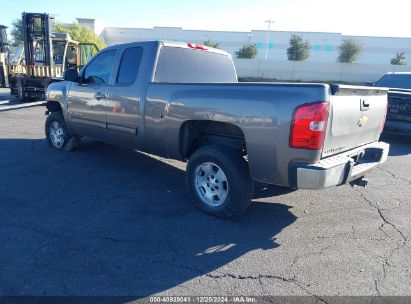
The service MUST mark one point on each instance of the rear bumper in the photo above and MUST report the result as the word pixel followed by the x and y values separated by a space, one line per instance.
pixel 339 169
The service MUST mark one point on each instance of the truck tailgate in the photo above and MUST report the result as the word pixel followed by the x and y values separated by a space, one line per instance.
pixel 355 119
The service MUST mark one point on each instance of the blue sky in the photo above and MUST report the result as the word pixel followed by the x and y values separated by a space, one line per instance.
pixel 351 17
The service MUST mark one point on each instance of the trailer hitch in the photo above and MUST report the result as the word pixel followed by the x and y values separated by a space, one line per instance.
pixel 362 182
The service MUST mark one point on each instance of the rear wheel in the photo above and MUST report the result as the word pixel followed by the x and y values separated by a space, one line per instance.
pixel 219 182
pixel 57 134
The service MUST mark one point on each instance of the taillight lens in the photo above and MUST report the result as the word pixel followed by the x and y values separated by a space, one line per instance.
pixel 309 126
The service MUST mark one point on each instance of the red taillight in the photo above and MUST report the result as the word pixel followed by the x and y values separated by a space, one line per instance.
pixel 309 126
pixel 196 46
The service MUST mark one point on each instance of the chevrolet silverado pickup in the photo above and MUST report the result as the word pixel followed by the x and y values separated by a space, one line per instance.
pixel 183 101
pixel 399 102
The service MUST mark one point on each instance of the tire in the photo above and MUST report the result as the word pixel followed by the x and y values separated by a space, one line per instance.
pixel 219 182
pixel 57 134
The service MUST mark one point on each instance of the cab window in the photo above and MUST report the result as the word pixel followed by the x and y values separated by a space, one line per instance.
pixel 100 69
pixel 58 52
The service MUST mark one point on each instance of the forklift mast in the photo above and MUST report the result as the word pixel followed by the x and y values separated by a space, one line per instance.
pixel 3 57
pixel 3 39
pixel 37 34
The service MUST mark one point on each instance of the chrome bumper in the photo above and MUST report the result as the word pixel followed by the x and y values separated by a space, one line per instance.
pixel 339 169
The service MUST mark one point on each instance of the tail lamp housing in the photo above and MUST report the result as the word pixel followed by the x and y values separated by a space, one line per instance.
pixel 384 119
pixel 309 125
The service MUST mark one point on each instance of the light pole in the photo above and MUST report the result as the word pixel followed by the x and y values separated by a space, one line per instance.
pixel 269 21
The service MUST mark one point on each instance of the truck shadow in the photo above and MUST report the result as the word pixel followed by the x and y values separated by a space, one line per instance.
pixel 109 221
pixel 262 190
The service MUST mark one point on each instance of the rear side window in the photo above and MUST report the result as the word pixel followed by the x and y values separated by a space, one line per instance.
pixel 130 63
pixel 181 65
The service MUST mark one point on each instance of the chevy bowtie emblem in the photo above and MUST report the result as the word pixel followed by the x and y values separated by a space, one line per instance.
pixel 363 121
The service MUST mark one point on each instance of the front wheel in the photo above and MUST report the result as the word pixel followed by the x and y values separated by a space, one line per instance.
pixel 219 181
pixel 57 134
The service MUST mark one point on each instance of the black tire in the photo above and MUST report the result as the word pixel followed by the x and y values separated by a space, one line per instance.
pixel 66 140
pixel 240 187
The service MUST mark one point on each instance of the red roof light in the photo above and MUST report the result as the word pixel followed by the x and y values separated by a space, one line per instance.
pixel 197 46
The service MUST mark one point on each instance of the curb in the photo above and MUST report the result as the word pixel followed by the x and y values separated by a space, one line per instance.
pixel 22 106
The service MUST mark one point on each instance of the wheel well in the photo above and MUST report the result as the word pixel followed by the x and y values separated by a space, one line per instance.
pixel 197 133
pixel 53 106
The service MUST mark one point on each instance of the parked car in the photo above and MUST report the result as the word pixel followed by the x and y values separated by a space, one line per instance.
pixel 399 102
pixel 183 101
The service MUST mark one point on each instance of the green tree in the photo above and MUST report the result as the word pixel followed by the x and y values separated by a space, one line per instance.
pixel 17 32
pixel 350 50
pixel 399 59
pixel 211 44
pixel 80 33
pixel 248 51
pixel 299 49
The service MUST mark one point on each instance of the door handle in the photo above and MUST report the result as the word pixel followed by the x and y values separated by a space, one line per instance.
pixel 99 96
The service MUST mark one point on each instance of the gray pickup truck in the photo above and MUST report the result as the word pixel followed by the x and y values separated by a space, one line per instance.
pixel 183 101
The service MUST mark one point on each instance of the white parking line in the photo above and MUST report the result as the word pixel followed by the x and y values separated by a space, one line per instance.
pixel 21 105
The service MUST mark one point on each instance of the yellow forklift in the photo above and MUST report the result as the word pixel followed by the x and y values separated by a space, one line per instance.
pixel 45 57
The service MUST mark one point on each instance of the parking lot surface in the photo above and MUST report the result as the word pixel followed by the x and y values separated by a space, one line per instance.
pixel 105 220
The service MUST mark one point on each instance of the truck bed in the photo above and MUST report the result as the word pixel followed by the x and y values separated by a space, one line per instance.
pixel 264 112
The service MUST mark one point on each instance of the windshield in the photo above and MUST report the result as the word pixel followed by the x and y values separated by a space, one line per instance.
pixel 399 81
pixel 17 56
pixel 180 65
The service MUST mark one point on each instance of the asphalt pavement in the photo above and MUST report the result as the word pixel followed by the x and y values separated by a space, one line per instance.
pixel 105 220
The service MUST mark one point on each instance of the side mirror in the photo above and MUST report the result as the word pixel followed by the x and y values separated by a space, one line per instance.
pixel 71 75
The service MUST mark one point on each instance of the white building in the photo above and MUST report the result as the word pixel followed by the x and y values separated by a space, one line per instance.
pixel 377 50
